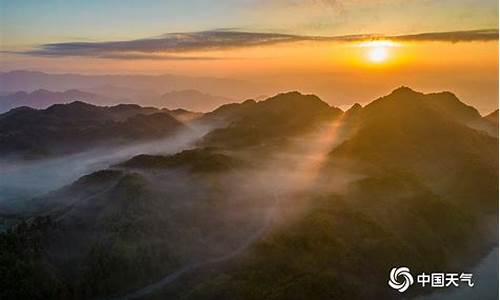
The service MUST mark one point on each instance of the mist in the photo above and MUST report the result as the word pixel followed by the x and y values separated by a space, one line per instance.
pixel 23 180
pixel 268 192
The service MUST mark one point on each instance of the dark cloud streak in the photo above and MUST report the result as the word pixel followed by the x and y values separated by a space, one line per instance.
pixel 171 46
pixel 452 36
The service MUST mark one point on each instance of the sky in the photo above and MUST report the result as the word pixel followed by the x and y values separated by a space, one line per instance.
pixel 327 47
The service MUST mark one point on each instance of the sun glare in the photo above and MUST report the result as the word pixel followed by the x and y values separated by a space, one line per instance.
pixel 378 51
pixel 378 54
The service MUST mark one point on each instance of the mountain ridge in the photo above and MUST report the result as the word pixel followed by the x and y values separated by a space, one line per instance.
pixel 422 185
pixel 42 98
pixel 32 80
pixel 66 128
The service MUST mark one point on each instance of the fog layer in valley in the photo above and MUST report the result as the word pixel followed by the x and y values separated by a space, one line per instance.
pixel 286 192
pixel 23 180
pixel 270 192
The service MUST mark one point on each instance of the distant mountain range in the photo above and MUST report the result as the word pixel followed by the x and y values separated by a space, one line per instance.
pixel 249 119
pixel 44 98
pixel 155 84
pixel 192 100
pixel 285 198
pixel 135 95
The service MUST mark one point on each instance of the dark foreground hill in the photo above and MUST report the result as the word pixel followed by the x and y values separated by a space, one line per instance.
pixel 492 117
pixel 196 160
pixel 254 123
pixel 410 182
pixel 77 126
pixel 406 132
pixel 428 199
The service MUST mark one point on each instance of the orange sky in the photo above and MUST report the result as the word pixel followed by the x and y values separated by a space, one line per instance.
pixel 339 72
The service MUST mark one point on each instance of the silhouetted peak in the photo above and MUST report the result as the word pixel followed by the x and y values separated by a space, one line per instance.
pixel 354 107
pixel 79 103
pixel 493 116
pixel 98 177
pixel 249 102
pixel 22 108
pixel 445 94
pixel 75 92
pixel 155 119
pixel 73 106
pixel 20 94
pixel 289 94
pixel 293 93
pixel 41 92
pixel 205 159
pixel 405 91
pixel 448 104
pixel 294 96
pixel 122 107
pixel 293 103
pixel 18 110
pixel 179 110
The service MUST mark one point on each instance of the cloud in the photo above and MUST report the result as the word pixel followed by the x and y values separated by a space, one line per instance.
pixel 167 46
pixel 174 46
pixel 452 36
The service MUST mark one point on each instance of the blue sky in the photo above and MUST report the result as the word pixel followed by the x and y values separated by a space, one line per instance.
pixel 31 22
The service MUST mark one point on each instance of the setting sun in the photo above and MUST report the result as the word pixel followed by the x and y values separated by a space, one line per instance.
pixel 378 51
pixel 378 54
